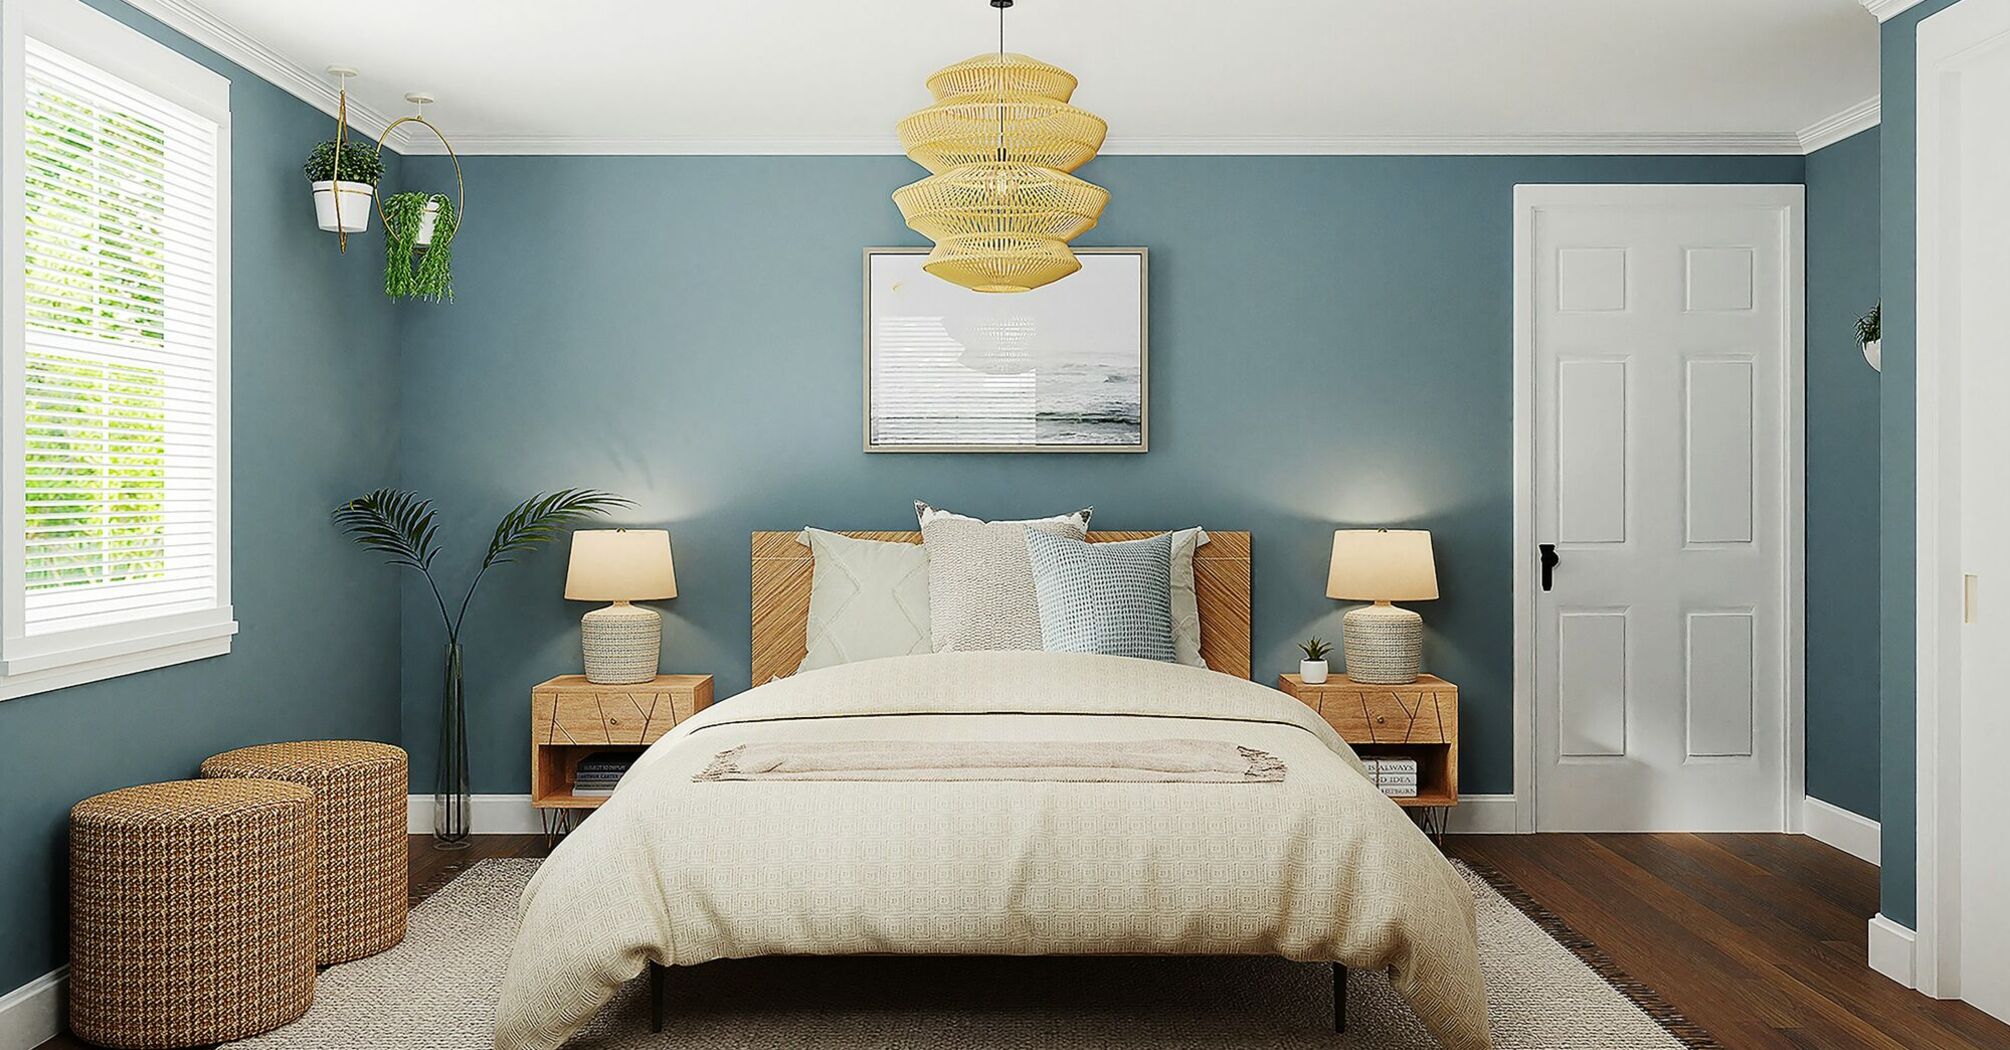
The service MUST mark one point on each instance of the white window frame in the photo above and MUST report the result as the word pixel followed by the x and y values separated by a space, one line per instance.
pixel 58 660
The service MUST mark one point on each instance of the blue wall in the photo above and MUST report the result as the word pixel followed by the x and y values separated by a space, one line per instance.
pixel 1898 179
pixel 1842 478
pixel 1331 344
pixel 314 421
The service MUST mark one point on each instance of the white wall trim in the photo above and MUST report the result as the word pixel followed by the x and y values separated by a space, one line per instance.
pixel 1482 815
pixel 1528 199
pixel 1572 144
pixel 1830 824
pixel 1833 129
pixel 1886 10
pixel 315 89
pixel 1891 950
pixel 1946 42
pixel 33 1013
pixel 489 815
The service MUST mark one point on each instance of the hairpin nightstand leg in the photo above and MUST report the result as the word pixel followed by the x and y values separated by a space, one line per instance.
pixel 1339 997
pixel 657 973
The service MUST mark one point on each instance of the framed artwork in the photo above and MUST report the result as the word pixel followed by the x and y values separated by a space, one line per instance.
pixel 1062 368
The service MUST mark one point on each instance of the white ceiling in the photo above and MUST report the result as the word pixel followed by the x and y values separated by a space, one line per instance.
pixel 1169 75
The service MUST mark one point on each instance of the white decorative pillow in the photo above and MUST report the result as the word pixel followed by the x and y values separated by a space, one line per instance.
pixel 980 581
pixel 868 599
pixel 1185 600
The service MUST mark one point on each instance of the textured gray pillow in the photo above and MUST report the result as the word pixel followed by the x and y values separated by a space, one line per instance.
pixel 980 584
pixel 1109 598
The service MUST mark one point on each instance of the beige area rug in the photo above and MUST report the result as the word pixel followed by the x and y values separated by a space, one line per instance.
pixel 1546 989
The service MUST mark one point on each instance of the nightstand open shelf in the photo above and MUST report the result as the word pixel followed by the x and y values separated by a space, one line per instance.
pixel 572 718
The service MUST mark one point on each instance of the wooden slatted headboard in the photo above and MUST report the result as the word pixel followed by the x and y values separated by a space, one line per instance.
pixel 781 578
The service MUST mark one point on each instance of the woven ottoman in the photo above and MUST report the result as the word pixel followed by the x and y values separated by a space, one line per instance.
pixel 191 912
pixel 359 797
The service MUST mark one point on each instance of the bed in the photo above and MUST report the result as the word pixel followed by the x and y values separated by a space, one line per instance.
pixel 680 867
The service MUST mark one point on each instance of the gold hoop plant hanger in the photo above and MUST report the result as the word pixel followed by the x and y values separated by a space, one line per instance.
pixel 460 185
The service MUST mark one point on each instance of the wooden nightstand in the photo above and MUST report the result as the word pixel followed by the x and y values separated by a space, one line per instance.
pixel 571 718
pixel 1419 720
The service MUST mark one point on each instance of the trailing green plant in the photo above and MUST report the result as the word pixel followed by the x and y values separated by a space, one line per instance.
pixel 406 528
pixel 1870 325
pixel 412 270
pixel 360 163
pixel 1315 649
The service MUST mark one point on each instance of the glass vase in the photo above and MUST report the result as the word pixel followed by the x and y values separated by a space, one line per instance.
pixel 450 786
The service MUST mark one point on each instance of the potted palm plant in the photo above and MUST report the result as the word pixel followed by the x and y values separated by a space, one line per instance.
pixel 405 528
pixel 352 171
pixel 1869 334
pixel 419 232
pixel 1312 670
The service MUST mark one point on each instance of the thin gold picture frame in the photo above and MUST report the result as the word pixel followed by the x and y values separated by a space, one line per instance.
pixel 1144 368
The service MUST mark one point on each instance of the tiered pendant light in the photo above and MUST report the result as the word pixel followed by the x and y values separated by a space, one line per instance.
pixel 1001 140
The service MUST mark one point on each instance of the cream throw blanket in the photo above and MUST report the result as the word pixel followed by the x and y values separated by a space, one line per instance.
pixel 1143 761
pixel 1318 867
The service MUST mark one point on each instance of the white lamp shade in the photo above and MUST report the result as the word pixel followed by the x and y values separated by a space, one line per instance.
pixel 1382 565
pixel 620 565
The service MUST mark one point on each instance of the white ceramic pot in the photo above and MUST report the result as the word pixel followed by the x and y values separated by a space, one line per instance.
pixel 1312 672
pixel 358 201
pixel 426 223
pixel 1873 352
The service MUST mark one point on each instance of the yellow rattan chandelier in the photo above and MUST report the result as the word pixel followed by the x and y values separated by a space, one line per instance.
pixel 1001 140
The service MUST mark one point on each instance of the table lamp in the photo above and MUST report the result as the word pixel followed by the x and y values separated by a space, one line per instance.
pixel 1382 643
pixel 621 642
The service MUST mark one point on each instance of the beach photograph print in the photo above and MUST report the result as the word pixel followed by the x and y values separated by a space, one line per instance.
pixel 1061 368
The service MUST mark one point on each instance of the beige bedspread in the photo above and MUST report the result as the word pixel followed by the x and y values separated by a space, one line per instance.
pixel 1318 867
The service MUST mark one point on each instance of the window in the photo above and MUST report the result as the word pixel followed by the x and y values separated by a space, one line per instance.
pixel 116 179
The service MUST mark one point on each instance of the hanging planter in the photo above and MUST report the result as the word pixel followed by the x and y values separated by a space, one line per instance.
pixel 418 246
pixel 1870 335
pixel 353 179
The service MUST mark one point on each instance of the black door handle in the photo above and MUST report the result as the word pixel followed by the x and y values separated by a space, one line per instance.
pixel 1549 560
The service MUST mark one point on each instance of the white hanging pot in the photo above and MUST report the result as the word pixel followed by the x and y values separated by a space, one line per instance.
pixel 426 223
pixel 1873 352
pixel 358 201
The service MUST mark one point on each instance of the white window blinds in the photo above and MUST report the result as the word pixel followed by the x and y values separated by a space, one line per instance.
pixel 122 386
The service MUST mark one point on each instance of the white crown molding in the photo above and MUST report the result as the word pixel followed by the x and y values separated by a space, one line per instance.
pixel 1886 10
pixel 312 88
pixel 1579 144
pixel 1833 129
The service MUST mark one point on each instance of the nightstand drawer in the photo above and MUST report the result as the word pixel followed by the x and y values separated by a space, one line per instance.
pixel 1366 715
pixel 577 712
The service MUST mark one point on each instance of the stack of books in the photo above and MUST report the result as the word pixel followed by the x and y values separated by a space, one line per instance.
pixel 1397 777
pixel 599 773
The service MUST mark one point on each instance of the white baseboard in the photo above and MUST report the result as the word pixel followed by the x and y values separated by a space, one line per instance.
pixel 33 1013
pixel 1891 950
pixel 1833 825
pixel 1482 815
pixel 490 815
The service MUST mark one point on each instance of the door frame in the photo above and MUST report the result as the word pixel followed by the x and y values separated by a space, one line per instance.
pixel 1790 201
pixel 1945 40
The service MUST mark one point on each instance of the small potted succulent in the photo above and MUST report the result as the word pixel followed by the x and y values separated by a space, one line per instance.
pixel 1312 669
pixel 1869 333
pixel 360 169
pixel 419 233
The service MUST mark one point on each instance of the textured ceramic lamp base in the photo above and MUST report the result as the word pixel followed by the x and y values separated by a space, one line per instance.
pixel 622 643
pixel 1383 644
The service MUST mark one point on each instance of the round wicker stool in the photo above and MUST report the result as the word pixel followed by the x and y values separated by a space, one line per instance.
pixel 191 912
pixel 359 798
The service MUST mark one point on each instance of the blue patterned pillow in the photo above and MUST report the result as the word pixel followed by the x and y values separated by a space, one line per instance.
pixel 1110 598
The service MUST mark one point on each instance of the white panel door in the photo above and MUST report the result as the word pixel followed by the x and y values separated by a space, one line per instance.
pixel 1964 273
pixel 1664 324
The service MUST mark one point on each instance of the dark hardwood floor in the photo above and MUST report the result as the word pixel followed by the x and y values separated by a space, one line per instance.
pixel 1758 938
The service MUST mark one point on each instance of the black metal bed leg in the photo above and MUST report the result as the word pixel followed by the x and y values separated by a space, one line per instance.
pixel 1339 997
pixel 657 973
